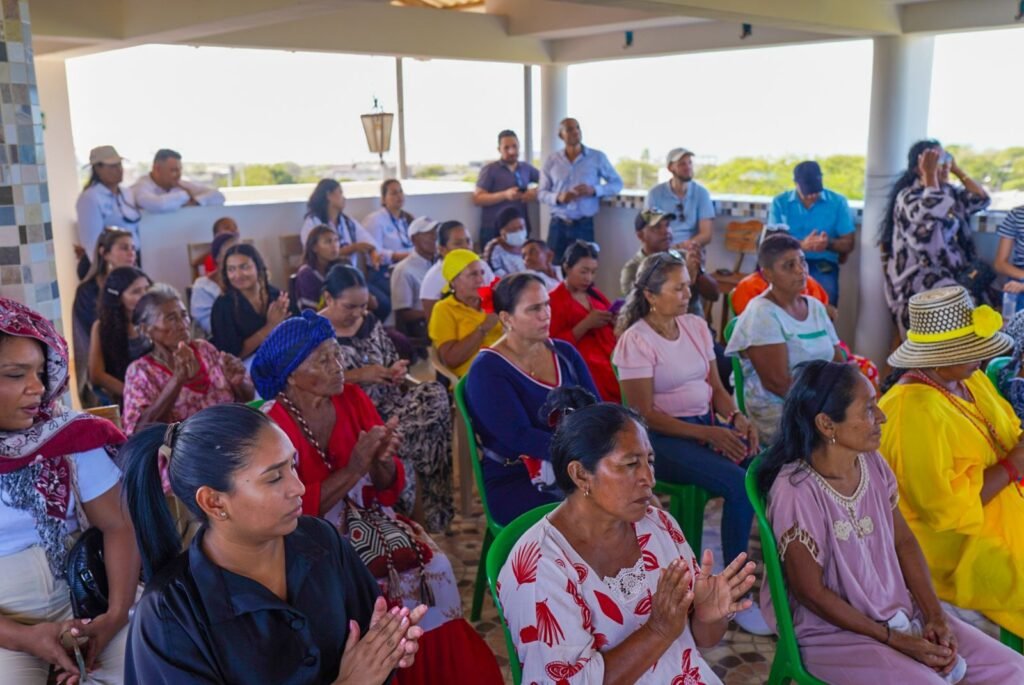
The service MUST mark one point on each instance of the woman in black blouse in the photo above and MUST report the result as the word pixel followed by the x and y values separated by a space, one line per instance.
pixel 263 594
pixel 250 307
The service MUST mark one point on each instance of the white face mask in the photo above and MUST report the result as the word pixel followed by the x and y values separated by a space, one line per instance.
pixel 516 239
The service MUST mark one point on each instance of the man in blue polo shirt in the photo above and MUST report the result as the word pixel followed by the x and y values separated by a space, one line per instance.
pixel 820 219
pixel 504 183
pixel 687 200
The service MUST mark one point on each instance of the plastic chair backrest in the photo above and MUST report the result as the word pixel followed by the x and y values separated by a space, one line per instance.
pixel 787 646
pixel 496 557
pixel 474 455
pixel 737 369
pixel 255 404
pixel 994 367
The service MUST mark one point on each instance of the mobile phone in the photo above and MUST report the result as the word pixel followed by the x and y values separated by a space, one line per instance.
pixel 616 306
pixel 82 677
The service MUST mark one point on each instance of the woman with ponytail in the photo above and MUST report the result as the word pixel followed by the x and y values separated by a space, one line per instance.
pixel 263 594
pixel 926 237
pixel 863 604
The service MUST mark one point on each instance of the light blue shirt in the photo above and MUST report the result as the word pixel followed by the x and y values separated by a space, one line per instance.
pixel 831 213
pixel 689 210
pixel 559 175
pixel 98 207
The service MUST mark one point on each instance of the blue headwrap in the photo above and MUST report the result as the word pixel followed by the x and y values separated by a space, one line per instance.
pixel 285 349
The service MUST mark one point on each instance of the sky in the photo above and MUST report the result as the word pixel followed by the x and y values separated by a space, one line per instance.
pixel 234 105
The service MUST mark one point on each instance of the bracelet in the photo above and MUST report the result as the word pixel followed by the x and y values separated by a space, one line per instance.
pixel 731 419
pixel 888 633
pixel 1011 471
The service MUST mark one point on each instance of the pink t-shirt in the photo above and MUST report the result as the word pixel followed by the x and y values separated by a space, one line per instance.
pixel 679 367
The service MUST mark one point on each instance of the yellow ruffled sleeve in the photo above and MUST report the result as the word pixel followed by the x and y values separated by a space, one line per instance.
pixel 938 459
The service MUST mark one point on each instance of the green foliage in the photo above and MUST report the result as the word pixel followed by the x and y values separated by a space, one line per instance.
pixel 430 171
pixel 638 173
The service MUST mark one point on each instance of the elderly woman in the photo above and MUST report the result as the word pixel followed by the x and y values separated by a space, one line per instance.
pixel 605 588
pixel 957 451
pixel 179 376
pixel 506 392
pixel 423 410
pixel 250 306
pixel 346 459
pixel 459 326
pixel 322 252
pixel 780 328
pixel 666 360
pixel 926 236
pixel 263 593
pixel 206 289
pixel 51 462
pixel 863 606
pixel 580 315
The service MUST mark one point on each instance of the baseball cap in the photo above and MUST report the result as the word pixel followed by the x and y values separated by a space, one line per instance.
pixel 675 154
pixel 651 217
pixel 807 176
pixel 104 154
pixel 423 224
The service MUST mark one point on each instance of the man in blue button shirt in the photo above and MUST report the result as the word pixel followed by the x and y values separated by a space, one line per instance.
pixel 820 219
pixel 573 181
pixel 687 200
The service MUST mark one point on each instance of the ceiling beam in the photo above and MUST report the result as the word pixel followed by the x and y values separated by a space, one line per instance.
pixel 564 19
pixel 942 16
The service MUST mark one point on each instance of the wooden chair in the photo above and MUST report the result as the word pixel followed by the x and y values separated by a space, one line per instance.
pixel 460 438
pixel 195 251
pixel 110 412
pixel 741 237
pixel 291 249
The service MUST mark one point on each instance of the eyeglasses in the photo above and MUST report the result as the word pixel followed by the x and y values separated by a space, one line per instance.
pixel 668 256
pixel 680 212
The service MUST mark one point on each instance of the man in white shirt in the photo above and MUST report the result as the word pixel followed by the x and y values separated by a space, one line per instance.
pixel 451 235
pixel 163 189
pixel 407 277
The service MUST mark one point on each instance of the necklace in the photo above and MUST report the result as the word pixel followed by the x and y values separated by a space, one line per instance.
pixel 670 332
pixel 975 416
pixel 306 430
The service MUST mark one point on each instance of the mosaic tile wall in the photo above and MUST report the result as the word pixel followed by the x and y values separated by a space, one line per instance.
pixel 28 271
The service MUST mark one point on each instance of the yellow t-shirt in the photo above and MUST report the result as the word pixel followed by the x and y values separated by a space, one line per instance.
pixel 451 320
pixel 975 553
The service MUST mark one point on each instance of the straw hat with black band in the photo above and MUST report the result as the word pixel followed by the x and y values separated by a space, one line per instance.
pixel 946 329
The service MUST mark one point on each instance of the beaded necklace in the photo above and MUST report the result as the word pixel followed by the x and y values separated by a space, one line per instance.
pixel 976 419
pixel 307 431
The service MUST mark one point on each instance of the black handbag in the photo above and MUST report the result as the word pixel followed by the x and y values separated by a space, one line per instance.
pixel 976 277
pixel 87 575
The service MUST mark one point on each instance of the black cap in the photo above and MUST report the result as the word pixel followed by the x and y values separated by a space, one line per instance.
pixel 807 176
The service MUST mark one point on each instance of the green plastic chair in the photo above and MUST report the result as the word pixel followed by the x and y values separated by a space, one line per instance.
pixel 500 549
pixel 787 666
pixel 993 369
pixel 493 527
pixel 737 369
pixel 1014 642
pixel 255 404
pixel 686 501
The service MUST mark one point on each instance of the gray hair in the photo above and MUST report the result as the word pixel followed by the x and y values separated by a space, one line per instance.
pixel 148 308
pixel 650 277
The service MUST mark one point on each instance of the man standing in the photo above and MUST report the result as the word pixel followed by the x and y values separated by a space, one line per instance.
pixel 407 277
pixel 573 181
pixel 820 219
pixel 504 183
pixel 685 199
pixel 163 190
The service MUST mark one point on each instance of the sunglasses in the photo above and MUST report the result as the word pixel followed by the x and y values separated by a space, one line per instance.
pixel 660 259
pixel 680 212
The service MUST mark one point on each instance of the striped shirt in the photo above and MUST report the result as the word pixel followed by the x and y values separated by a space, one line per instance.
pixel 1012 227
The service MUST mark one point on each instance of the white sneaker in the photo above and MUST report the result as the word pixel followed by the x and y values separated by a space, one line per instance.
pixel 751 621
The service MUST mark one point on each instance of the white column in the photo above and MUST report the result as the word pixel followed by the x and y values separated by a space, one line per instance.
pixel 528 113
pixel 900 90
pixel 554 80
pixel 402 171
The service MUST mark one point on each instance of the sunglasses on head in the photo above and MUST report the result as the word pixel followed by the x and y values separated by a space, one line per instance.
pixel 667 257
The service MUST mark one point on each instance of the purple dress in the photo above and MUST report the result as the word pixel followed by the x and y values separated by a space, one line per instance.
pixel 852 539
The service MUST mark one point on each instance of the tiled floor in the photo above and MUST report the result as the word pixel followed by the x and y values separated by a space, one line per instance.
pixel 740 659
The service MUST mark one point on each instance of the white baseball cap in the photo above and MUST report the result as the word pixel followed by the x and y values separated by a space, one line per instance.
pixel 423 224
pixel 675 154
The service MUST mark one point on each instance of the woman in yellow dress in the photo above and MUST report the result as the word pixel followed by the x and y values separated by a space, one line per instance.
pixel 956 448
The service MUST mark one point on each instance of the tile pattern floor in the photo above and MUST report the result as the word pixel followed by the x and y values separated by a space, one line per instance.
pixel 740 659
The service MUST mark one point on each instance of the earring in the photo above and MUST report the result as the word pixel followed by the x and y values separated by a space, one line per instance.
pixel 224 514
pixel 832 440
pixel 586 493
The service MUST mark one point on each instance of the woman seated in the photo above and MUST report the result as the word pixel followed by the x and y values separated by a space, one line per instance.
pixel 389 225
pixel 114 341
pixel 505 253
pixel 863 606
pixel 206 289
pixel 322 252
pixel 580 315
pixel 249 308
pixel 605 588
pixel 51 461
pixel 957 451
pixel 423 410
pixel 263 593
pixel 459 326
pixel 779 329
pixel 506 392
pixel 537 258
pixel 346 460
pixel 179 376
pixel 666 360
pixel 114 249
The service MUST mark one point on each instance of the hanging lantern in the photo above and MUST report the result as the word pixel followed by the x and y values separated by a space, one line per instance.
pixel 377 127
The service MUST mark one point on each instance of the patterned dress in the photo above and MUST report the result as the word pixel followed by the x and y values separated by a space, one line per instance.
pixel 562 615
pixel 424 421
pixel 931 243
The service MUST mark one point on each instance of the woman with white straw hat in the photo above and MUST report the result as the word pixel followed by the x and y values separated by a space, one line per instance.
pixel 956 448
pixel 105 201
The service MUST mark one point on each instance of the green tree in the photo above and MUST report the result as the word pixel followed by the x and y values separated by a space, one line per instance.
pixel 638 173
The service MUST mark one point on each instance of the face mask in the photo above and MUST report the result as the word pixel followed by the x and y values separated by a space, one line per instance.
pixel 517 239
